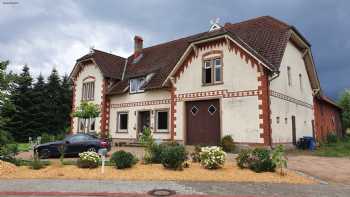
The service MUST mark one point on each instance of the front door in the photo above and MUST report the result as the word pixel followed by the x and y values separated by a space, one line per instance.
pixel 294 133
pixel 203 122
pixel 143 121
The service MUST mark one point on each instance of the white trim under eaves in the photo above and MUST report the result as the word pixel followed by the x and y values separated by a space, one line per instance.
pixel 192 46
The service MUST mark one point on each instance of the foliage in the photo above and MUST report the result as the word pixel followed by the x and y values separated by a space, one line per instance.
pixel 332 138
pixel 339 149
pixel 36 164
pixel 243 158
pixel 228 144
pixel 88 160
pixel 195 155
pixel 258 160
pixel 123 159
pixel 87 110
pixel 344 102
pixel 146 137
pixel 279 159
pixel 36 108
pixel 212 157
pixel 173 156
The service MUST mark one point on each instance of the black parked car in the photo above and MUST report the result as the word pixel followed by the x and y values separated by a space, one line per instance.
pixel 72 146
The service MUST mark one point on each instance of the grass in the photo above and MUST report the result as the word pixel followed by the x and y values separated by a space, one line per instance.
pixel 338 149
pixel 22 147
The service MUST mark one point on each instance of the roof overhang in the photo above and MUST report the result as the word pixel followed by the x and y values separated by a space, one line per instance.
pixel 79 65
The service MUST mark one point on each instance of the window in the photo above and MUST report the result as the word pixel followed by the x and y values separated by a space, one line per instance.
pixel 81 125
pixel 88 91
pixel 136 85
pixel 92 124
pixel 86 125
pixel 277 119
pixel 162 121
pixel 122 122
pixel 289 76
pixel 301 82
pixel 212 71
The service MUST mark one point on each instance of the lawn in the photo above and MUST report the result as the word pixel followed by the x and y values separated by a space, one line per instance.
pixel 22 147
pixel 338 149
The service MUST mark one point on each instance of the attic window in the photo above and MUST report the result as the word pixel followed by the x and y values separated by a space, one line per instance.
pixel 136 84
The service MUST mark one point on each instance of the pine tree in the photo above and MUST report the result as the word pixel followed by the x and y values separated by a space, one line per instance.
pixel 21 123
pixel 66 98
pixel 53 91
pixel 39 108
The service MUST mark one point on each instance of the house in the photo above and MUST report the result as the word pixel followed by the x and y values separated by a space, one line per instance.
pixel 254 80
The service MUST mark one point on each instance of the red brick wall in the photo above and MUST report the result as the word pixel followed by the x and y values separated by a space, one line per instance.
pixel 327 119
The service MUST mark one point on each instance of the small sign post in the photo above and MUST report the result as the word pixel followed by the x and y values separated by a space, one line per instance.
pixel 103 152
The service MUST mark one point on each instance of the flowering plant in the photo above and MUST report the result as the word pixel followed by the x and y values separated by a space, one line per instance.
pixel 212 157
pixel 88 159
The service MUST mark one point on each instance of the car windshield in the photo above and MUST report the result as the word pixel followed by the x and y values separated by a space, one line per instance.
pixel 78 138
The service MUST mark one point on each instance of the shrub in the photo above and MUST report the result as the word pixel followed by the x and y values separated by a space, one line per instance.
pixel 152 153
pixel 228 144
pixel 212 157
pixel 260 161
pixel 332 138
pixel 278 159
pixel 196 154
pixel 36 164
pixel 243 158
pixel 88 160
pixel 173 156
pixel 123 159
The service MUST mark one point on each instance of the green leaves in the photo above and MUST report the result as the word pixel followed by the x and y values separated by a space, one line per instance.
pixel 279 159
pixel 87 110
pixel 344 102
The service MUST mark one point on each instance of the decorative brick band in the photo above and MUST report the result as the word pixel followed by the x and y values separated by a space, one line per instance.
pixel 73 106
pixel 223 93
pixel 290 99
pixel 141 103
pixel 104 112
pixel 172 113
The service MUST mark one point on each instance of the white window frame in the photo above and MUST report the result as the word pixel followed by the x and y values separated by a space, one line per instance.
pixel 212 66
pixel 88 91
pixel 119 130
pixel 156 121
pixel 140 80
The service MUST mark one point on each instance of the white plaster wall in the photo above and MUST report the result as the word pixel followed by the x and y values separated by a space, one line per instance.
pixel 240 115
pixel 282 132
pixel 94 71
pixel 132 111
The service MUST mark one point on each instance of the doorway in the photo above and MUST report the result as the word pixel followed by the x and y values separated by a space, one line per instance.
pixel 144 121
pixel 294 133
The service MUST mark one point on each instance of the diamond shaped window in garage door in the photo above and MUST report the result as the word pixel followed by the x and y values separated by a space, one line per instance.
pixel 211 109
pixel 194 110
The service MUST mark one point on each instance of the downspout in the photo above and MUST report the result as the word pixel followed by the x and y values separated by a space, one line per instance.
pixel 275 75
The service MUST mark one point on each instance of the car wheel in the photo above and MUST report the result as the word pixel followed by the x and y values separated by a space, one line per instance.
pixel 92 149
pixel 44 154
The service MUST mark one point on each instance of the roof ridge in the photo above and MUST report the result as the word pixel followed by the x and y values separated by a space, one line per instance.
pixel 257 19
pixel 109 53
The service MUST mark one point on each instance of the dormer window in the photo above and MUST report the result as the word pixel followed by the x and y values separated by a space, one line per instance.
pixel 136 84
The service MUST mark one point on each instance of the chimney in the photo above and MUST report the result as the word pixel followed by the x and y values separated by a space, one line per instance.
pixel 138 42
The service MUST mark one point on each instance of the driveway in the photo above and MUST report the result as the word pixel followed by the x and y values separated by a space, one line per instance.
pixel 331 169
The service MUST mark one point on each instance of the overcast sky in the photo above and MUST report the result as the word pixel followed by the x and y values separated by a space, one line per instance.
pixel 47 34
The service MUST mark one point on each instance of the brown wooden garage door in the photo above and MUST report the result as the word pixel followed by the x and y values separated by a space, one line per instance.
pixel 203 122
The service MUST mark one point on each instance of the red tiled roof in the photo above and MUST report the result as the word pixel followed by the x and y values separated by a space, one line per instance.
pixel 265 37
pixel 329 101
pixel 111 65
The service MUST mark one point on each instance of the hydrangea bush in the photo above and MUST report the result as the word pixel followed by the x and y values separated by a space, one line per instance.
pixel 212 157
pixel 88 159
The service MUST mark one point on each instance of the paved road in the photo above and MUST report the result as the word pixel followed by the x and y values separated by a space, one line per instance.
pixel 139 188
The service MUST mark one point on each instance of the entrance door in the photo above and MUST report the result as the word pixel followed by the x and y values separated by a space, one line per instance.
pixel 203 122
pixel 294 133
pixel 143 121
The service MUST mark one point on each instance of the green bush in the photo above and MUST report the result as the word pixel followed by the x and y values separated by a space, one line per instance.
pixel 195 155
pixel 212 157
pixel 36 164
pixel 227 144
pixel 260 161
pixel 332 138
pixel 243 158
pixel 123 159
pixel 88 160
pixel 153 152
pixel 278 159
pixel 173 156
